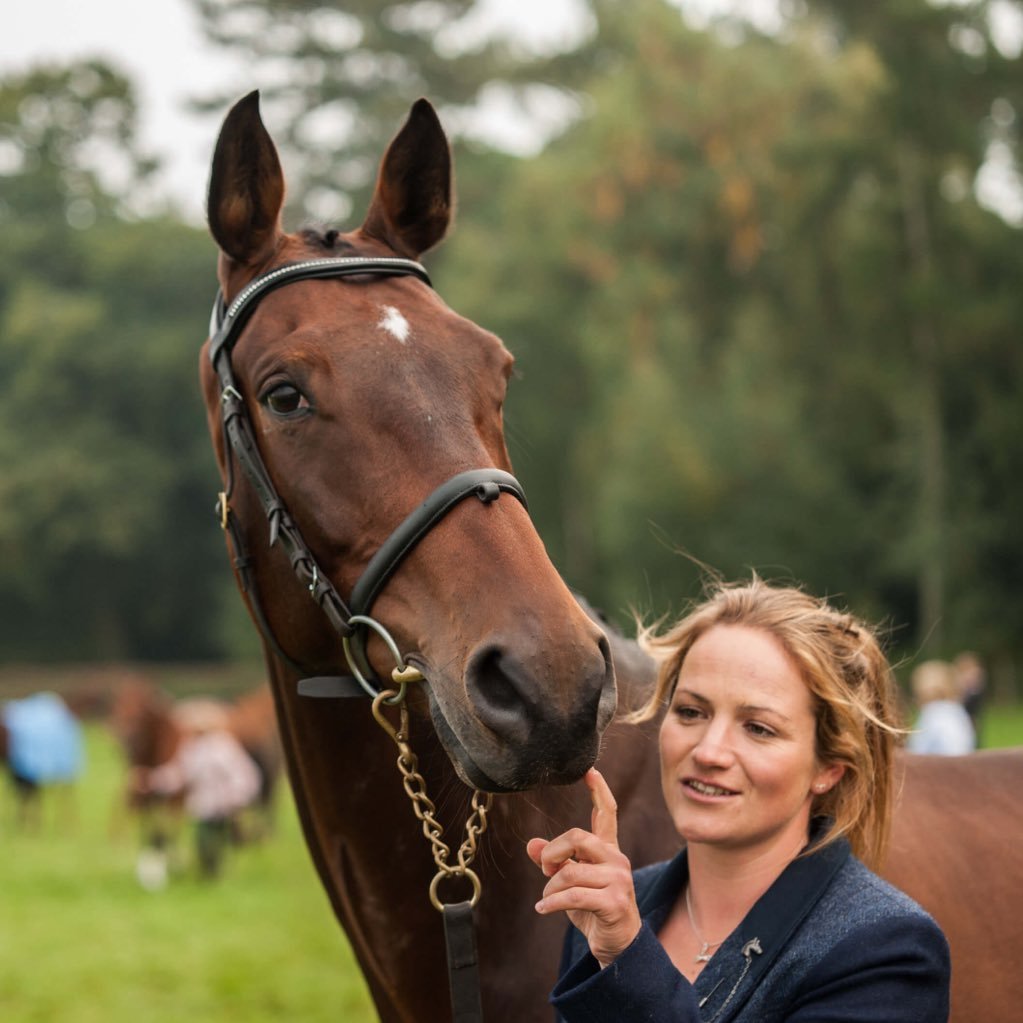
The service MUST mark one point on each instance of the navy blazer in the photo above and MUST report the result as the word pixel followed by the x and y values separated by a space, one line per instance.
pixel 829 942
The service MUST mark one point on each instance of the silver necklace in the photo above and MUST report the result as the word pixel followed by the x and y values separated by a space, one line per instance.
pixel 705 951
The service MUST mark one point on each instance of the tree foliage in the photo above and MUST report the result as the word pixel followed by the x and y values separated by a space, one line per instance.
pixel 338 80
pixel 68 135
pixel 759 313
pixel 743 322
pixel 106 481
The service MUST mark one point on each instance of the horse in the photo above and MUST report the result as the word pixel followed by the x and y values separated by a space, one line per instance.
pixel 356 422
pixel 41 746
pixel 141 720
pixel 956 831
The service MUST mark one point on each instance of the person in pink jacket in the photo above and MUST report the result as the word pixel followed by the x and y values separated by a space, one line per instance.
pixel 216 776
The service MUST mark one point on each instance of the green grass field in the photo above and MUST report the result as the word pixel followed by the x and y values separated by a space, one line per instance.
pixel 1002 726
pixel 82 942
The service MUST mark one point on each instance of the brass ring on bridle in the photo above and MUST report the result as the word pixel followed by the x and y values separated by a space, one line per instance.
pixel 468 872
pixel 402 674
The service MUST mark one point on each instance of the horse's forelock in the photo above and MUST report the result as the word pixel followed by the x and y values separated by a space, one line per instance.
pixel 325 237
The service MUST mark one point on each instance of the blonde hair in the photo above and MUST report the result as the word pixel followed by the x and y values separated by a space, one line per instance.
pixel 854 693
pixel 934 680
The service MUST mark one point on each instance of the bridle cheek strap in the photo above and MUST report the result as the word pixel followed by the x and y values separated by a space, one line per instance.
pixel 486 484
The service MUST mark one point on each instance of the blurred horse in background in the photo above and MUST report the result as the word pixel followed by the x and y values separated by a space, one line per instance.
pixel 41 746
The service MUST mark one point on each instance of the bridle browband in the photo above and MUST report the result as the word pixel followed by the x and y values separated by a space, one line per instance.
pixel 350 619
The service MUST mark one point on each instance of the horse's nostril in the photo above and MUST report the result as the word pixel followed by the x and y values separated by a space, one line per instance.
pixel 520 698
pixel 499 688
pixel 500 693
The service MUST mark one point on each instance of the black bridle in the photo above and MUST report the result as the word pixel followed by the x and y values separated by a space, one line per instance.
pixel 350 619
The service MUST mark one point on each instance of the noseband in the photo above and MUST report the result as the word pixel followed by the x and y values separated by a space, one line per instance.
pixel 351 620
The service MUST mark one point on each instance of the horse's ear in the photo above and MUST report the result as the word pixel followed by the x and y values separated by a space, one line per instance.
pixel 411 206
pixel 246 186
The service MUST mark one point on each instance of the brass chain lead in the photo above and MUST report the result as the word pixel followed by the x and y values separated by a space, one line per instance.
pixel 425 809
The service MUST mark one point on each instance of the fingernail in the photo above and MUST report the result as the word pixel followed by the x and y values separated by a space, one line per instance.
pixel 539 906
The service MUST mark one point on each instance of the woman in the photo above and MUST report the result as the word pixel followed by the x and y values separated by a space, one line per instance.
pixel 776 766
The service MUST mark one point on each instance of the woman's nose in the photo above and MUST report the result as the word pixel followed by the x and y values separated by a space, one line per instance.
pixel 713 749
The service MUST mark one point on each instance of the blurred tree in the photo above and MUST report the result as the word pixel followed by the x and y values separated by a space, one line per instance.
pixel 68 135
pixel 106 542
pixel 944 78
pixel 336 83
pixel 668 411
pixel 728 313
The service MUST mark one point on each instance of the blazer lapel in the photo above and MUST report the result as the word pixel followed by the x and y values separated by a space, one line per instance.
pixel 766 930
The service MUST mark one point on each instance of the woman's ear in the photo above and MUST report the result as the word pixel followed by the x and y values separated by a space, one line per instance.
pixel 826 778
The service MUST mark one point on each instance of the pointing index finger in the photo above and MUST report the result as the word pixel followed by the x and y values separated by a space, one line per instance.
pixel 604 819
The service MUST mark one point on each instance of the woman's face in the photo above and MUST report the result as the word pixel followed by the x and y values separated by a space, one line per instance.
pixel 738 745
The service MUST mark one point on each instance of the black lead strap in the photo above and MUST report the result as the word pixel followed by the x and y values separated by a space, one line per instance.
pixel 463 963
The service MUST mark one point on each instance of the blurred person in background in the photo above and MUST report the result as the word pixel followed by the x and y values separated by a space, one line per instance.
pixel 216 776
pixel 943 726
pixel 972 682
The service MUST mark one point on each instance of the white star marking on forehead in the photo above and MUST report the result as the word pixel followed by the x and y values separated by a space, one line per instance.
pixel 395 324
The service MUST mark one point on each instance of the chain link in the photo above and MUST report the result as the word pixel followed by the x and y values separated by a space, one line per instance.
pixel 425 809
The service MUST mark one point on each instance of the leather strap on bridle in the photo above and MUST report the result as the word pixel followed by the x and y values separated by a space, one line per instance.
pixel 226 325
pixel 226 322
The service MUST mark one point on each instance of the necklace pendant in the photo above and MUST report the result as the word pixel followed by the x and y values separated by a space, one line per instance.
pixel 704 956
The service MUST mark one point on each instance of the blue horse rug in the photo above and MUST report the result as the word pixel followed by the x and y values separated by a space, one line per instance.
pixel 44 739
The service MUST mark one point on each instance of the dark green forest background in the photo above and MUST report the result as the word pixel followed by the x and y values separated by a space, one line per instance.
pixel 759 315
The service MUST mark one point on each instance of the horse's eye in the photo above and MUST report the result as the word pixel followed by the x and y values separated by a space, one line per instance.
pixel 285 400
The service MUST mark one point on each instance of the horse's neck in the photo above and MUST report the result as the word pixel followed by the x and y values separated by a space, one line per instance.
pixel 365 841
pixel 164 738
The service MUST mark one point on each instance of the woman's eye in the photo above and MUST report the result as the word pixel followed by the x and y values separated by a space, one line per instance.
pixel 760 731
pixel 687 712
pixel 285 400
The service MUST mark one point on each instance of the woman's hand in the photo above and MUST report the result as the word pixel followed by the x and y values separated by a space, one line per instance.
pixel 591 878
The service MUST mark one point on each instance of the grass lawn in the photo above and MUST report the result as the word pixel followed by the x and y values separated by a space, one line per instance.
pixel 82 942
pixel 1002 726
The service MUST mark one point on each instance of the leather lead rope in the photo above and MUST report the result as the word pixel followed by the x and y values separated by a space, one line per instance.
pixel 463 963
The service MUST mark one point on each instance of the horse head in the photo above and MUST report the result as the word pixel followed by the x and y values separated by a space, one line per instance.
pixel 365 393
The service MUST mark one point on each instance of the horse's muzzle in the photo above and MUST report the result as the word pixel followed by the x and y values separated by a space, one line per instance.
pixel 526 724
